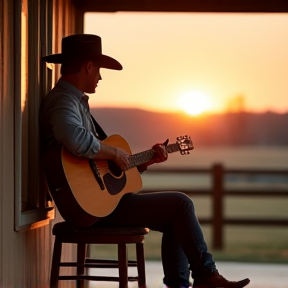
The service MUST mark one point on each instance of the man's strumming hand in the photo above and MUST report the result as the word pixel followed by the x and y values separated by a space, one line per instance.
pixel 118 155
pixel 122 159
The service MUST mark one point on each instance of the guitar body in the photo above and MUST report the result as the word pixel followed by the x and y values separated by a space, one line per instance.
pixel 85 190
pixel 85 201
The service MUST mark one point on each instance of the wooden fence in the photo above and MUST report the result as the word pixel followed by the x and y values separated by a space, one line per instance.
pixel 218 192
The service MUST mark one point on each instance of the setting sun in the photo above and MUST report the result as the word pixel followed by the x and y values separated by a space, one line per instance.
pixel 194 103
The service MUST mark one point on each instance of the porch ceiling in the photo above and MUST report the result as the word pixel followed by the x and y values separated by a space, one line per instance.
pixel 269 6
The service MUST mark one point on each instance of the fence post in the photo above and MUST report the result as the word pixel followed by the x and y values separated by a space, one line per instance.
pixel 217 190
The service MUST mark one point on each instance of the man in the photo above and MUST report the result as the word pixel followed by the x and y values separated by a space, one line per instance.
pixel 65 119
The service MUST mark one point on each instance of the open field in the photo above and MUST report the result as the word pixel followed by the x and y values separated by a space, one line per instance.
pixel 242 244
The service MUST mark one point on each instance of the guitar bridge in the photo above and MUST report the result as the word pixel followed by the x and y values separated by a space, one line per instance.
pixel 96 174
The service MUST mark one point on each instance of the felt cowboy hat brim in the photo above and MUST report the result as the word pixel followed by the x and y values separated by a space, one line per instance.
pixel 85 47
pixel 103 61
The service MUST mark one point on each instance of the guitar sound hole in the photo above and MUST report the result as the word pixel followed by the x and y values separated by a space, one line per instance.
pixel 114 168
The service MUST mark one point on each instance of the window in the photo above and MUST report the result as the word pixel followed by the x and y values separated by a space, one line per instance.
pixel 33 78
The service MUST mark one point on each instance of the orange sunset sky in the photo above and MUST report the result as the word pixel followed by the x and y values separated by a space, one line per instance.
pixel 175 61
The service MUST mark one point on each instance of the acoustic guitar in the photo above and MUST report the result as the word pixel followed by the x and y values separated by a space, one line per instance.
pixel 85 190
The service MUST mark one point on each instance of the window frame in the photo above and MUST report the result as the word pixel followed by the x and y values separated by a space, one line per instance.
pixel 38 211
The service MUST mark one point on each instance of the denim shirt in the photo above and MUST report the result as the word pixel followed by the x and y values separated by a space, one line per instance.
pixel 65 118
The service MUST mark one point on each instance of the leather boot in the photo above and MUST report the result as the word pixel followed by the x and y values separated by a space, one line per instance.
pixel 217 280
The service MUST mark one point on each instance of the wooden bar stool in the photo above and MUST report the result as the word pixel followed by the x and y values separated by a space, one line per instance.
pixel 65 233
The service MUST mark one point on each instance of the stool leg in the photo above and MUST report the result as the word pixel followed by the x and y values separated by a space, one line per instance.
pixel 81 255
pixel 55 268
pixel 123 265
pixel 141 265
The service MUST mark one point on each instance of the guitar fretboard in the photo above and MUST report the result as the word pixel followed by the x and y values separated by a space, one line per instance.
pixel 146 156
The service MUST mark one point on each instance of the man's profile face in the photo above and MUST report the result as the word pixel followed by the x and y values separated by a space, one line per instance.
pixel 93 76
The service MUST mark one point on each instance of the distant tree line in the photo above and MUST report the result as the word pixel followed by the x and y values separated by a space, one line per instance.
pixel 265 129
pixel 142 128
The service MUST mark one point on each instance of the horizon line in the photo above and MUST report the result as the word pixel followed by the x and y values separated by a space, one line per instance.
pixel 206 113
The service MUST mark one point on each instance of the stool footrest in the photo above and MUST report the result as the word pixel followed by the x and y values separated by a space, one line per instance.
pixel 94 278
pixel 99 261
pixel 96 264
pixel 94 260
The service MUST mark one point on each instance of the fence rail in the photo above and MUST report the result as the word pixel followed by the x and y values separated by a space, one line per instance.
pixel 218 192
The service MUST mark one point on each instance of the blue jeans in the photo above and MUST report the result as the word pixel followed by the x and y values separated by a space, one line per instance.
pixel 171 213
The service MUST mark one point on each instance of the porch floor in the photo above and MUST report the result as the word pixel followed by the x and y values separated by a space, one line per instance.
pixel 261 275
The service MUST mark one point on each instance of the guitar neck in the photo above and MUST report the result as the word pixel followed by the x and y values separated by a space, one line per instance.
pixel 146 156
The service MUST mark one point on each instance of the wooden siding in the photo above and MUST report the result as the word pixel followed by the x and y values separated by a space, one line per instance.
pixel 25 257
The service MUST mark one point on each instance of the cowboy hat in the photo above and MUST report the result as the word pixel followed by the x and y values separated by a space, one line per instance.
pixel 83 47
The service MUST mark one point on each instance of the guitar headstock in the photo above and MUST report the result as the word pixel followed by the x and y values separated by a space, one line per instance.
pixel 184 144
